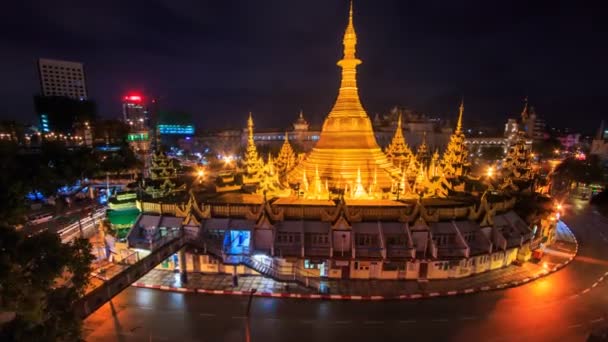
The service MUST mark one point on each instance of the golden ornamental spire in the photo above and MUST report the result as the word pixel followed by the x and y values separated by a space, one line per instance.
pixel 348 103
pixel 253 163
pixel 459 124
pixel 399 122
pixel 250 127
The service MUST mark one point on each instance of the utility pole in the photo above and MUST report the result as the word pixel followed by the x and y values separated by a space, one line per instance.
pixel 248 322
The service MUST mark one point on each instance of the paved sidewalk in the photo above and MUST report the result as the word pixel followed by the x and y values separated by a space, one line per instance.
pixel 556 256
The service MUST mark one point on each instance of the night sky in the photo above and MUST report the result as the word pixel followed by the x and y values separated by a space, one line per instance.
pixel 220 59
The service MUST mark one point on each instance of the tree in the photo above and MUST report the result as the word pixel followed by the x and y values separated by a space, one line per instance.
pixel 40 278
pixel 12 196
pixel 492 153
pixel 546 148
pixel 577 171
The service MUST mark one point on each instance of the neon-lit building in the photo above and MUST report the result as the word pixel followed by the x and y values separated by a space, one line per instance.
pixel 135 113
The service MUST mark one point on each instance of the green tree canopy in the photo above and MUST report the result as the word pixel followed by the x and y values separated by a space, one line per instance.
pixel 34 286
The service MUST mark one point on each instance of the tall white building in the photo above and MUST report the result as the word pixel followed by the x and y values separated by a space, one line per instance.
pixel 62 78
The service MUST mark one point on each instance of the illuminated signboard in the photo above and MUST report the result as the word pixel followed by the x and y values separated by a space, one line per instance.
pixel 44 123
pixel 137 137
pixel 133 98
pixel 176 129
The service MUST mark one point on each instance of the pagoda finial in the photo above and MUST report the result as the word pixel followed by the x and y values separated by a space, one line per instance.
pixel 350 37
pixel 250 128
pixel 399 122
pixel 302 114
pixel 348 103
pixel 459 123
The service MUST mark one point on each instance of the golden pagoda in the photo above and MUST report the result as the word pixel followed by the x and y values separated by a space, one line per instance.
pixel 422 153
pixel 454 162
pixel 398 151
pixel 286 159
pixel 518 161
pixel 269 184
pixel 347 150
pixel 252 163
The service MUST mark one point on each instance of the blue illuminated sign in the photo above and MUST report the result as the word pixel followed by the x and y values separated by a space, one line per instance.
pixel 176 129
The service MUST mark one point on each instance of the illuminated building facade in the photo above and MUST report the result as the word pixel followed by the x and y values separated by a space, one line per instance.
pixel 62 105
pixel 135 113
pixel 62 78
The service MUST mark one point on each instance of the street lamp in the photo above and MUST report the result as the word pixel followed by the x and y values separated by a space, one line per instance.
pixel 490 172
pixel 228 160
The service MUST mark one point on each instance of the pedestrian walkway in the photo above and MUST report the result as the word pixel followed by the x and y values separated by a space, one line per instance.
pixel 219 282
pixel 556 257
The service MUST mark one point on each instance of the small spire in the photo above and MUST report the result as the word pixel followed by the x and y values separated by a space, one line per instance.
pixel 286 136
pixel 350 38
pixel 459 123
pixel 399 122
pixel 301 114
pixel 250 121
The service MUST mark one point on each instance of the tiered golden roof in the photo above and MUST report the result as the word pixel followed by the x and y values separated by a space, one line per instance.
pixel 286 159
pixel 347 149
pixel 454 162
pixel 398 151
pixel 253 164
pixel 269 184
pixel 422 153
pixel 518 161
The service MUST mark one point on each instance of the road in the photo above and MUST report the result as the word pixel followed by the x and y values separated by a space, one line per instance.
pixel 562 306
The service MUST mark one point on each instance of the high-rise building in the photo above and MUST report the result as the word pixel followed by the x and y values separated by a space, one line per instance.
pixel 62 78
pixel 63 103
pixel 134 112
pixel 135 115
pixel 60 114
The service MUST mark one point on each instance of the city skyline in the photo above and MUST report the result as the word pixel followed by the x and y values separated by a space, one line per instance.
pixel 214 62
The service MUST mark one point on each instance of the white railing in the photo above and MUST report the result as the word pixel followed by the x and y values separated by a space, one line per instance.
pixel 86 227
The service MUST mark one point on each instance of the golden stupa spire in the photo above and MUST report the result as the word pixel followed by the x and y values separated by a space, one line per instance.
pixel 347 144
pixel 459 123
pixel 250 127
pixel 348 103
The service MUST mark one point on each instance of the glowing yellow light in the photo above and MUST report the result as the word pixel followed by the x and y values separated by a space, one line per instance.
pixel 545 266
pixel 228 160
pixel 200 173
pixel 490 172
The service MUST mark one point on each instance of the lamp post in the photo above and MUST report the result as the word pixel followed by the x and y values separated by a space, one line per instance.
pixel 248 310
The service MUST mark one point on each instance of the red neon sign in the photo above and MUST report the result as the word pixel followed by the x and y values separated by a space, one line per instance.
pixel 133 98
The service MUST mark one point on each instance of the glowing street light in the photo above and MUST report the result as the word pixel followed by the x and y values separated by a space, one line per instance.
pixel 228 160
pixel 490 172
pixel 200 174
